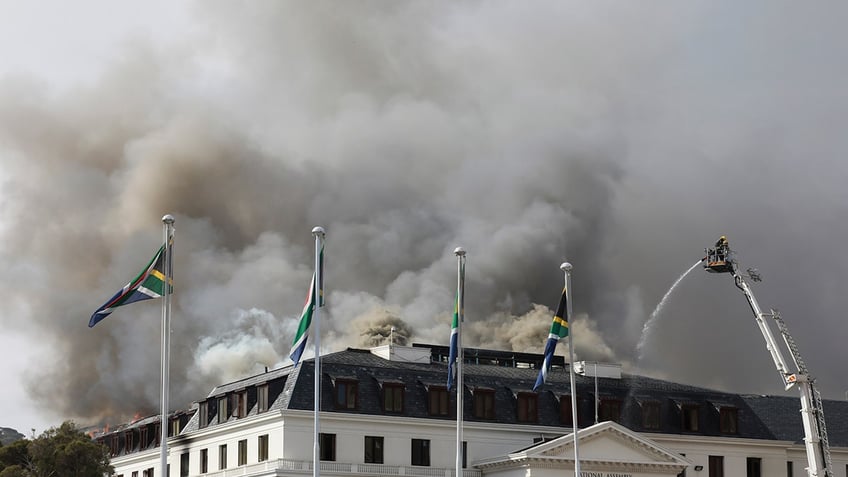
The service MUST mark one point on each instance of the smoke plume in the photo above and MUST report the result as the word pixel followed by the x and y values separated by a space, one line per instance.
pixel 619 138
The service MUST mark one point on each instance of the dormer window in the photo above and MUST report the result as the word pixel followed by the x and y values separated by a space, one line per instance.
pixel 262 398
pixel 484 403
pixel 115 445
pixel 223 414
pixel 346 393
pixel 610 410
pixel 690 416
pixel 729 420
pixel 128 441
pixel 526 407
pixel 393 397
pixel 240 404
pixel 203 414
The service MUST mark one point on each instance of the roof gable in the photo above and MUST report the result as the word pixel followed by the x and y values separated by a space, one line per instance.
pixel 607 446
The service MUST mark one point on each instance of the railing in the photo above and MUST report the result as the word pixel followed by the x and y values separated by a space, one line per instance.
pixel 280 467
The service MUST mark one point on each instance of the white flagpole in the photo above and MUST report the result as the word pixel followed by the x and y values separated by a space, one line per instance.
pixel 168 221
pixel 460 390
pixel 318 233
pixel 566 267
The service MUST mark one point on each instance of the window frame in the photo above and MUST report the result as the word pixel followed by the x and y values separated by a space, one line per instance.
pixel 651 415
pixel 263 393
pixel 242 452
pixel 690 418
pixel 204 461
pixel 526 407
pixel 438 399
pixel 262 448
pixel 327 447
pixel 753 467
pixel 222 457
pixel 609 409
pixel 345 391
pixel 374 450
pixel 223 409
pixel 420 455
pixel 203 414
pixel 716 466
pixel 483 404
pixel 728 420
pixel 393 397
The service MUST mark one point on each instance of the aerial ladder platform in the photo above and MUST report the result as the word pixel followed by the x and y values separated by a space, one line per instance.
pixel 721 259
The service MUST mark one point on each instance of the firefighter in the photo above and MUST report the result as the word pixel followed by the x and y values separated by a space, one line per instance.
pixel 721 249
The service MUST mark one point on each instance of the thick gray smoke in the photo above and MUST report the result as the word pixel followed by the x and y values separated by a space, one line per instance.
pixel 620 138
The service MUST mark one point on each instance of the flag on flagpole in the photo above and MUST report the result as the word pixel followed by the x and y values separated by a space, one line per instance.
pixel 454 336
pixel 147 285
pixel 300 337
pixel 559 329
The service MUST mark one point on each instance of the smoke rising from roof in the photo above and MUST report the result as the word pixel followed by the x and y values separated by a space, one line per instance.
pixel 608 135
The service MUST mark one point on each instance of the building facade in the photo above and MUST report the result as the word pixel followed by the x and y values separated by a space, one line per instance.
pixel 387 412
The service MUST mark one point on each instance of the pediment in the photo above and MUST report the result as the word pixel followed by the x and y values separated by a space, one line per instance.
pixel 604 440
pixel 606 446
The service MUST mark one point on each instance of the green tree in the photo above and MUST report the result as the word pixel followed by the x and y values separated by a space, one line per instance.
pixel 62 451
pixel 14 454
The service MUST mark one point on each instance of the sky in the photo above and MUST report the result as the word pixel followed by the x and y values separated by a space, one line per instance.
pixel 620 138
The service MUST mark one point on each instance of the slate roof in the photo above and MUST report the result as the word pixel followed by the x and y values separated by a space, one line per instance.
pixel 505 375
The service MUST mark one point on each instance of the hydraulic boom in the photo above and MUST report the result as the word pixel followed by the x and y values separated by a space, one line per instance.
pixel 721 259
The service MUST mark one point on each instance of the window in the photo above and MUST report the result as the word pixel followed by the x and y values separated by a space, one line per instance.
pixel 373 450
pixel 729 420
pixel 147 473
pixel 420 452
pixel 184 459
pixel 204 461
pixel 157 434
pixel 716 466
pixel 484 403
pixel 790 469
pixel 128 441
pixel 526 407
pixel 203 413
pixel 174 427
pixel 115 447
pixel 240 404
pixel 222 456
pixel 142 438
pixel 262 398
pixel 134 474
pixel 438 400
pixel 689 416
pixel 222 409
pixel 346 394
pixel 242 452
pixel 565 414
pixel 754 467
pixel 263 448
pixel 327 446
pixel 393 397
pixel 464 454
pixel 651 415
pixel 610 410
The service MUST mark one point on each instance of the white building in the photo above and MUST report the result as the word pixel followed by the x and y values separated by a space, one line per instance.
pixel 386 412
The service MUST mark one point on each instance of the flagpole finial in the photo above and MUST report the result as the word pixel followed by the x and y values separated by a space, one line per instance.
pixel 566 267
pixel 318 231
pixel 168 219
pixel 459 252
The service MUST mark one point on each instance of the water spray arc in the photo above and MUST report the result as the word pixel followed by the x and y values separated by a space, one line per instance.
pixel 649 325
pixel 721 259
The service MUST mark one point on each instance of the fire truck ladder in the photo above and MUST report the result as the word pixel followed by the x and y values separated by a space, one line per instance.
pixel 817 400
